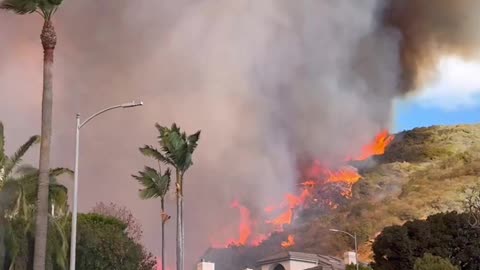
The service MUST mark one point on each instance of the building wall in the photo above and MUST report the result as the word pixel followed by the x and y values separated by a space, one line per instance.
pixel 290 265
pixel 294 265
pixel 271 266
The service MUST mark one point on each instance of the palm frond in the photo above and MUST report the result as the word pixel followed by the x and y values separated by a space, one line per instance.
pixel 61 253
pixel 154 184
pixel 193 141
pixel 17 157
pixel 60 171
pixel 58 195
pixel 164 183
pixel 176 146
pixel 19 6
pixel 161 129
pixel 48 7
pixel 150 151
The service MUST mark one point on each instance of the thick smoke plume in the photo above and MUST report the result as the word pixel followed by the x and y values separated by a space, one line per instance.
pixel 431 30
pixel 267 81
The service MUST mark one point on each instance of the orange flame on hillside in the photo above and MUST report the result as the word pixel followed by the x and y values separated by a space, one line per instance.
pixel 377 147
pixel 289 243
pixel 245 228
pixel 317 176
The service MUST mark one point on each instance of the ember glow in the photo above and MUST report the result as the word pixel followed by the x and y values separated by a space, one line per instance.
pixel 311 193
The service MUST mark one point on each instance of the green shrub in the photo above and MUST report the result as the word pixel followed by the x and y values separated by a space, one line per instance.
pixel 430 262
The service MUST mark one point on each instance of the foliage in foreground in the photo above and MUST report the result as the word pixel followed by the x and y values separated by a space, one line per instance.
pixel 430 262
pixel 447 235
pixel 103 243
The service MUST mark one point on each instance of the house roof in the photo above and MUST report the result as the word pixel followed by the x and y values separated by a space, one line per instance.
pixel 240 258
pixel 289 255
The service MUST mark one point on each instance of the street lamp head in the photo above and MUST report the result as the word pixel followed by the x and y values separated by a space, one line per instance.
pixel 333 230
pixel 132 104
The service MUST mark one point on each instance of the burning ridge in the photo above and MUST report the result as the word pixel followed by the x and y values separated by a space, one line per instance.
pixel 319 187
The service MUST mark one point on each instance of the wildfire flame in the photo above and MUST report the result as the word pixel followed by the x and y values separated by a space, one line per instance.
pixel 377 147
pixel 317 176
pixel 289 243
pixel 245 228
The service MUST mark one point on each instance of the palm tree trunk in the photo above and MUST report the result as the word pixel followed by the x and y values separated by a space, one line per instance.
pixel 163 234
pixel 49 40
pixel 180 231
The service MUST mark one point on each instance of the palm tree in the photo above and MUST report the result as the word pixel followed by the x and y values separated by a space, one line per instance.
pixel 176 150
pixel 18 190
pixel 22 210
pixel 155 185
pixel 46 8
pixel 8 165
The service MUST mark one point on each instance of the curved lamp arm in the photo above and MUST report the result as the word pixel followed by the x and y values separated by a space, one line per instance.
pixel 124 105
pixel 347 233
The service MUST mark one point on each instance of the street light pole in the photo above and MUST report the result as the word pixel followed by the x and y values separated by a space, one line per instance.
pixel 354 236
pixel 79 125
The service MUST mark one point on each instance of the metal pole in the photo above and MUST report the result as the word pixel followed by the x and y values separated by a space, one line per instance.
pixel 356 250
pixel 73 240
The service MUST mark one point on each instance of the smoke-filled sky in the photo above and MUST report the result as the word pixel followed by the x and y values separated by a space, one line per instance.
pixel 266 81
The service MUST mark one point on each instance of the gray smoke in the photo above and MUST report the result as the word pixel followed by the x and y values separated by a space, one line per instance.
pixel 266 82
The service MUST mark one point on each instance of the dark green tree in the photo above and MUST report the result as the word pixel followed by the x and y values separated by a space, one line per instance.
pixel 430 262
pixel 447 235
pixel 103 243
pixel 46 8
pixel 155 185
pixel 176 150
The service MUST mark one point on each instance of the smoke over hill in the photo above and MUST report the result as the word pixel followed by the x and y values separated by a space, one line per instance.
pixel 268 82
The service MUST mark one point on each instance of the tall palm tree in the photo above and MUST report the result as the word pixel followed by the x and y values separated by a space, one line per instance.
pixel 155 184
pixel 176 150
pixel 46 8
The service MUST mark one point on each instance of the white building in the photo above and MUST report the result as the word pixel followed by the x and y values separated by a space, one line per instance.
pixel 289 260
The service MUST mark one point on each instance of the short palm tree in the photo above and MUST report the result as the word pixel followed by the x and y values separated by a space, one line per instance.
pixel 155 185
pixel 18 189
pixel 46 8
pixel 176 150
pixel 8 166
pixel 22 210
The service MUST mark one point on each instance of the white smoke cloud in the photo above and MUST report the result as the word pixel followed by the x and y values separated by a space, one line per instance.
pixel 456 87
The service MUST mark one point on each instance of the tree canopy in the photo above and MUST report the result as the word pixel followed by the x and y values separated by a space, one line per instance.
pixel 46 8
pixel 103 243
pixel 430 262
pixel 447 235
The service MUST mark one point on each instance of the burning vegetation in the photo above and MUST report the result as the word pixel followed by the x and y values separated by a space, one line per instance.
pixel 319 187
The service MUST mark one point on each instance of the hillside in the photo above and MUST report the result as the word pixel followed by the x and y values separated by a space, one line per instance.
pixel 423 171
